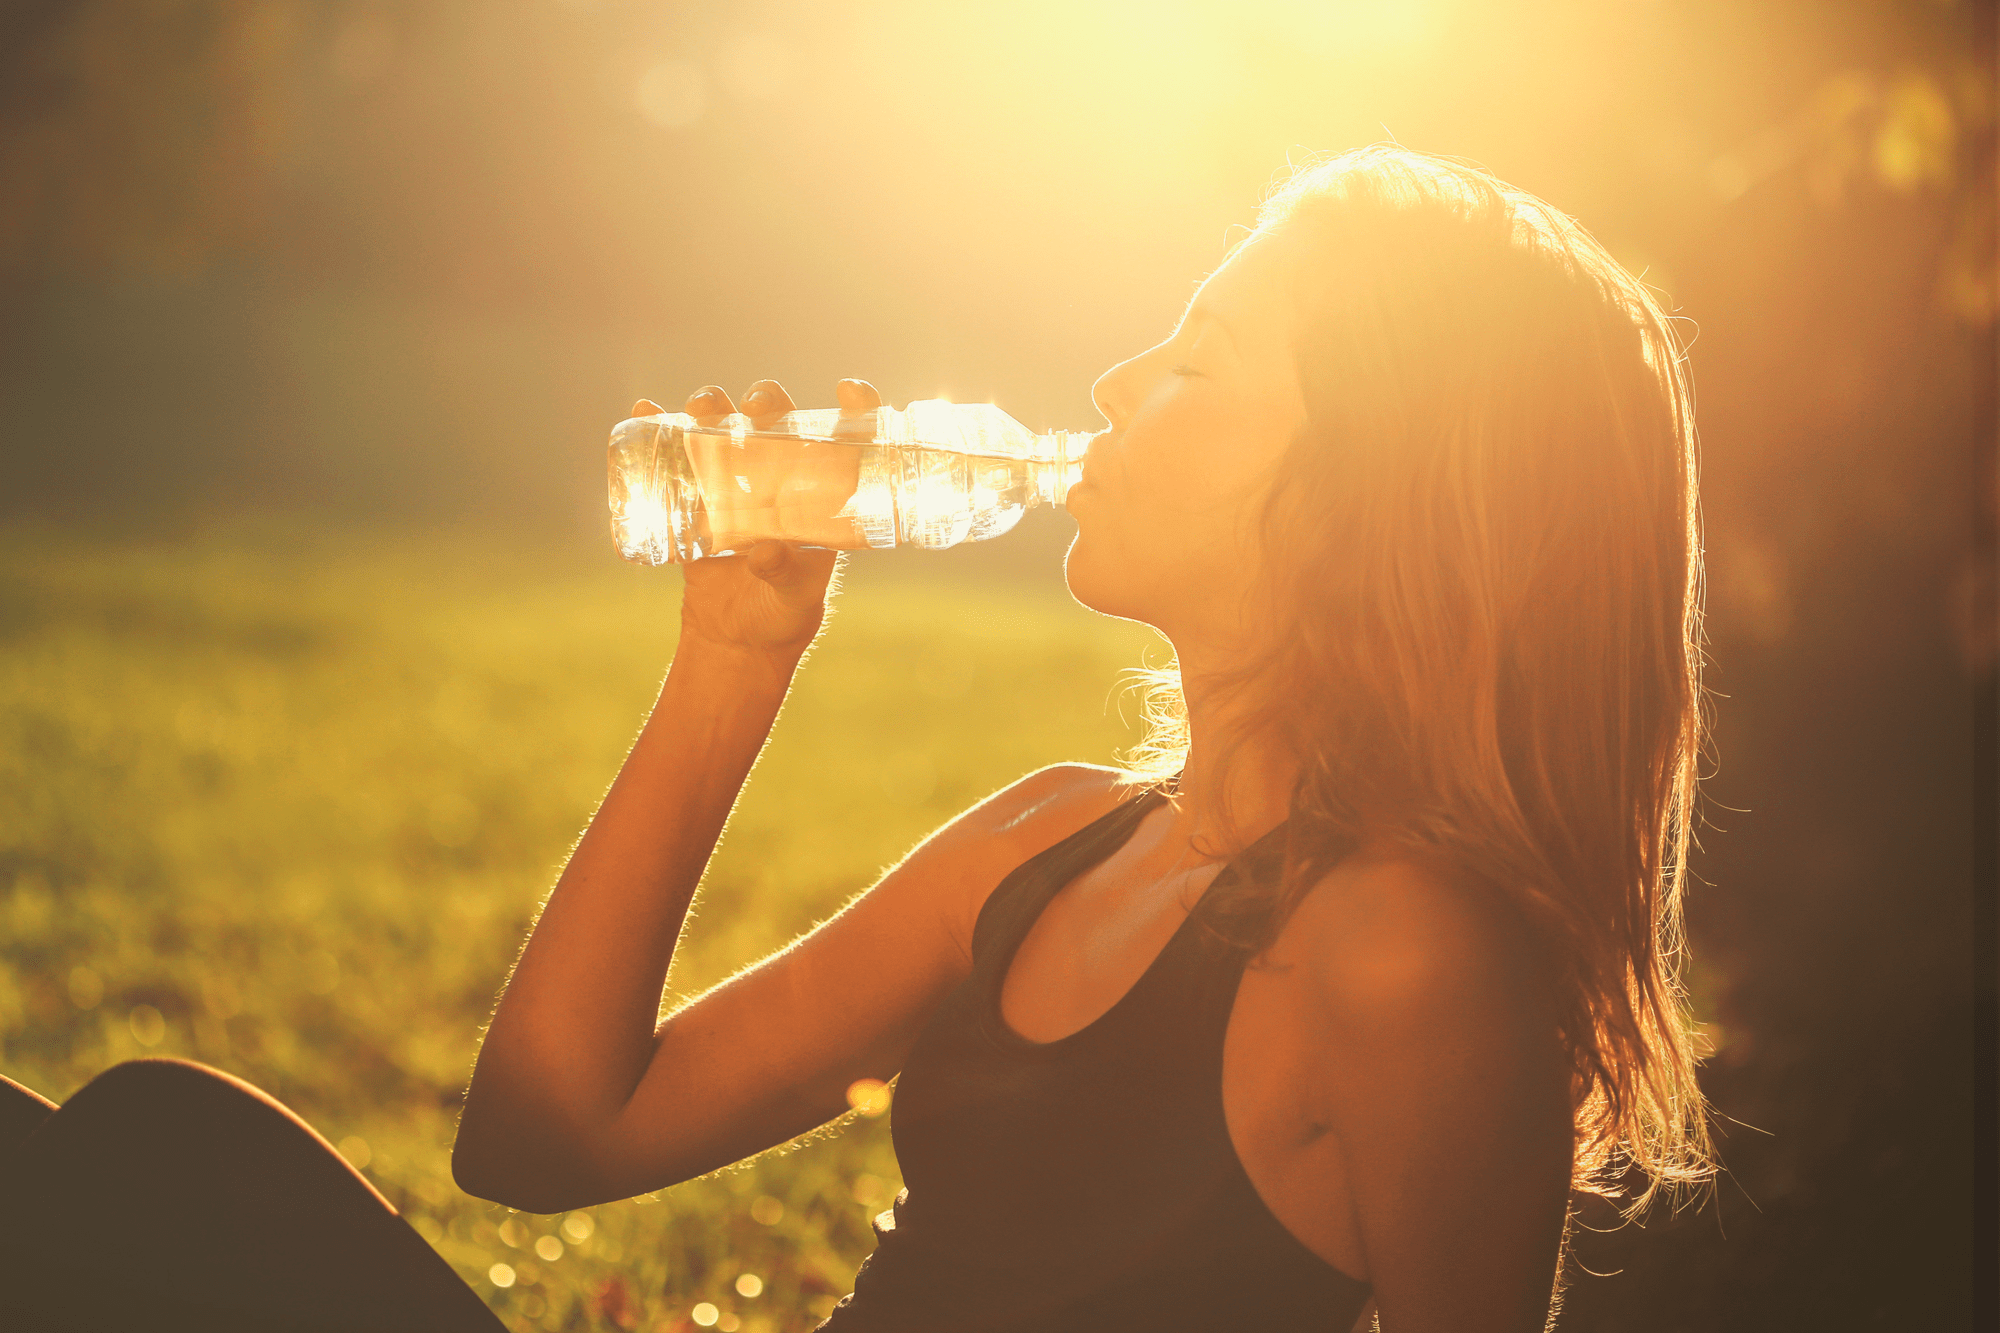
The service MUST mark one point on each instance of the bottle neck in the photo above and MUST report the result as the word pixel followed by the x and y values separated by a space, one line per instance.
pixel 1059 463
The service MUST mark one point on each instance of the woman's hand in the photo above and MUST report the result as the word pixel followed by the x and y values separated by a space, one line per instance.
pixel 770 600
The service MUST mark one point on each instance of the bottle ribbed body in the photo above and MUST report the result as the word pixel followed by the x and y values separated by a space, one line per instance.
pixel 933 475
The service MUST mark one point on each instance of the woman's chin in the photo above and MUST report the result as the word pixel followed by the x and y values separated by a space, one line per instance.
pixel 1093 585
pixel 1076 573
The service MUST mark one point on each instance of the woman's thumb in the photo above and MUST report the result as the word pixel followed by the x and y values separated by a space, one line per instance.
pixel 774 562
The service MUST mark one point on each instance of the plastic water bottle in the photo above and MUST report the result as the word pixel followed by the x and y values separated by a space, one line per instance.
pixel 933 475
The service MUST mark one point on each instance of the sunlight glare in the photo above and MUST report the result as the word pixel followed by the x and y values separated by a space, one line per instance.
pixel 754 66
pixel 672 94
pixel 869 1096
pixel 646 525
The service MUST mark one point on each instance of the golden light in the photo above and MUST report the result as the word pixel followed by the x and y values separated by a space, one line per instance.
pixel 500 1275
pixel 672 94
pixel 645 527
pixel 86 988
pixel 749 1285
pixel 754 66
pixel 869 1096
pixel 322 972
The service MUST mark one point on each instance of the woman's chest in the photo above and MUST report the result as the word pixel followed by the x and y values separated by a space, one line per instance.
pixel 1142 984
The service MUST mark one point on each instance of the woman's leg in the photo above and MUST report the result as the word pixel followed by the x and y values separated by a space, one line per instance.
pixel 165 1194
pixel 22 1111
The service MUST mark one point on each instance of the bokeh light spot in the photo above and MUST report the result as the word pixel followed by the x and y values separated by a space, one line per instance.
pixel 578 1226
pixel 500 1275
pixel 767 1210
pixel 749 1284
pixel 705 1314
pixel 357 1152
pixel 549 1248
pixel 149 1026
pixel 869 1096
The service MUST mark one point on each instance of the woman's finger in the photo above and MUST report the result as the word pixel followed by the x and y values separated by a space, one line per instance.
pixel 766 398
pixel 776 563
pixel 709 405
pixel 857 396
pixel 796 575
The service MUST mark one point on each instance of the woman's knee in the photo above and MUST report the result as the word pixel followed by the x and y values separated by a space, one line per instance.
pixel 22 1112
pixel 175 1106
pixel 164 1084
pixel 163 1076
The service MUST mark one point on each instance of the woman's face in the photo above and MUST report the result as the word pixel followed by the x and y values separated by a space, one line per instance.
pixel 1166 512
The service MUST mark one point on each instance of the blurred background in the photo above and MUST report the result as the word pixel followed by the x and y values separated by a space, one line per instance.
pixel 313 320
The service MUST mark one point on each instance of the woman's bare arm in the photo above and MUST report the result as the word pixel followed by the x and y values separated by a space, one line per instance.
pixel 1447 1092
pixel 580 1094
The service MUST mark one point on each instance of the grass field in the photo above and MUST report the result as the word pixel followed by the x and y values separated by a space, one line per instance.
pixel 285 802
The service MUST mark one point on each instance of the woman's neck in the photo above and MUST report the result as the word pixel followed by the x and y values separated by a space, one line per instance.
pixel 1236 783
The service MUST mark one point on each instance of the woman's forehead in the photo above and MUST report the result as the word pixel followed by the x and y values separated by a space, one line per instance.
pixel 1251 292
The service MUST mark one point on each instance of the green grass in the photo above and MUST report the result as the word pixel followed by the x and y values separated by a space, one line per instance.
pixel 285 803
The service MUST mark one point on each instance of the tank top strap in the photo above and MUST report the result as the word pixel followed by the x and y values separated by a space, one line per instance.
pixel 1011 909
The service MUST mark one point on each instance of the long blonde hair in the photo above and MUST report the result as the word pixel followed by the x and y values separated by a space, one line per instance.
pixel 1486 550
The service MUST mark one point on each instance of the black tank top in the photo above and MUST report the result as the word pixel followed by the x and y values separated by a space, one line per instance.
pixel 1087 1183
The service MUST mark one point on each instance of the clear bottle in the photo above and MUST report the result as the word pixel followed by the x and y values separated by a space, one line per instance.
pixel 932 475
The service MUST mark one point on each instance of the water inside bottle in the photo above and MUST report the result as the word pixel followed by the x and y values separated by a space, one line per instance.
pixel 681 492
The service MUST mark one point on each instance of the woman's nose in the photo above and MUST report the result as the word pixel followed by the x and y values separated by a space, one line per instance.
pixel 1112 394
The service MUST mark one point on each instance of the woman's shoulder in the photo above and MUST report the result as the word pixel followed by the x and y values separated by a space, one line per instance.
pixel 966 859
pixel 1387 939
pixel 1040 809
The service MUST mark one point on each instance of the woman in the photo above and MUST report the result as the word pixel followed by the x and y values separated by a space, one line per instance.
pixel 1327 1005
pixel 1338 998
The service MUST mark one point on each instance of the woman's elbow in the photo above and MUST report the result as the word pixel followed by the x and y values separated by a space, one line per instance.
pixel 483 1174
pixel 519 1172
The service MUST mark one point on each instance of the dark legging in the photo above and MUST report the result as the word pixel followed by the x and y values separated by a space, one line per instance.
pixel 165 1195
